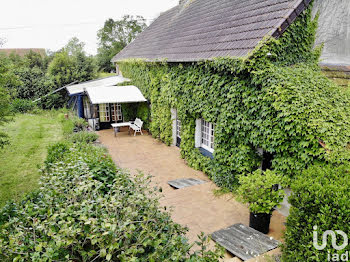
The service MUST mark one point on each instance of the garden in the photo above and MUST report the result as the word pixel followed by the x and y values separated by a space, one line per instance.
pixel 80 206
pixel 87 209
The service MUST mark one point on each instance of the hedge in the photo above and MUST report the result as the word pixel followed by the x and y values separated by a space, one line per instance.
pixel 88 210
pixel 320 198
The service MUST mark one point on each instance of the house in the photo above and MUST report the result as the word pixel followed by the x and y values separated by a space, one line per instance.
pixel 22 51
pixel 100 101
pixel 227 82
pixel 334 32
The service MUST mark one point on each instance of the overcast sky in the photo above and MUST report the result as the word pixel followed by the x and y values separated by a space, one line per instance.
pixel 50 24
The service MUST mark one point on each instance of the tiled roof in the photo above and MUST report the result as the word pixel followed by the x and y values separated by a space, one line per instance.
pixel 22 51
pixel 203 29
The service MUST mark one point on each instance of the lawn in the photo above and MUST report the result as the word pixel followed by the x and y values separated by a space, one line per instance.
pixel 104 74
pixel 29 137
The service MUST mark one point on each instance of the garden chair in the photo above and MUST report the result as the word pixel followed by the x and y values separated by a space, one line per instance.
pixel 137 126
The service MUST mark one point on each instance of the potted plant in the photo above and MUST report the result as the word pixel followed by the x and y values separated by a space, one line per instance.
pixel 259 190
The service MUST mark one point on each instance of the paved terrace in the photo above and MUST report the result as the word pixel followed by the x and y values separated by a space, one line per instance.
pixel 196 207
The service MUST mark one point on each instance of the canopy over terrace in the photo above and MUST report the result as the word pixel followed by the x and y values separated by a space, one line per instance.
pixel 107 81
pixel 105 102
pixel 115 94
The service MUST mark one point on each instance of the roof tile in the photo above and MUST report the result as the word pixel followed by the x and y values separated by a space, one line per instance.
pixel 204 29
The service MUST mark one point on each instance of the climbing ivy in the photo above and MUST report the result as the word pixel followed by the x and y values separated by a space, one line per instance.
pixel 275 98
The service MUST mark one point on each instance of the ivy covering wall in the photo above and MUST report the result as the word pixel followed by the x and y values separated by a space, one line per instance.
pixel 276 99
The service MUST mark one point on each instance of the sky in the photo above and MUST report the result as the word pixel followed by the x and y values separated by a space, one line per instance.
pixel 50 24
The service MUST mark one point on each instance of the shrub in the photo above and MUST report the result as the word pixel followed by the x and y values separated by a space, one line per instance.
pixel 257 190
pixel 79 124
pixel 98 160
pixel 83 137
pixel 22 105
pixel 73 124
pixel 320 198
pixel 56 152
pixel 73 218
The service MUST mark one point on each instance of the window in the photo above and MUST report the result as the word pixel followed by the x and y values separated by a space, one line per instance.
pixel 178 128
pixel 207 135
pixel 116 112
pixel 104 113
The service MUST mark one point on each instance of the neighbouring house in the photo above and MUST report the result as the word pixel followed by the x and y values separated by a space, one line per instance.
pixel 235 84
pixel 100 101
pixel 334 32
pixel 22 51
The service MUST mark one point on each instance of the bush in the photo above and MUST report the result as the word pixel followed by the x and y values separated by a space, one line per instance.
pixel 320 198
pixel 73 124
pixel 83 137
pixel 56 152
pixel 73 218
pixel 22 105
pixel 80 124
pixel 257 190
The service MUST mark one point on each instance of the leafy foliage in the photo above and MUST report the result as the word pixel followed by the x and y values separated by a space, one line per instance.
pixel 71 64
pixel 275 99
pixel 132 111
pixel 34 83
pixel 5 112
pixel 87 210
pixel 80 124
pixel 22 105
pixel 67 67
pixel 257 190
pixel 83 137
pixel 320 198
pixel 34 76
pixel 6 79
pixel 114 36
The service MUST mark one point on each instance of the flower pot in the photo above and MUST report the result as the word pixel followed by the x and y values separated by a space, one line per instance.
pixel 260 222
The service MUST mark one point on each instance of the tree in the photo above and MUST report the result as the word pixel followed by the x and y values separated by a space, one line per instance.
pixel 4 114
pixel 74 47
pixel 33 59
pixel 114 36
pixel 7 79
pixel 71 64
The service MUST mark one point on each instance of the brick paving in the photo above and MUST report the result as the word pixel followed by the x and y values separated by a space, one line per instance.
pixel 195 207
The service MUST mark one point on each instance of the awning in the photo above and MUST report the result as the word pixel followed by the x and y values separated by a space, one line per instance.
pixel 107 81
pixel 115 94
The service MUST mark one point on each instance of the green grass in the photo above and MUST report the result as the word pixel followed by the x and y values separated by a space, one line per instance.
pixel 104 74
pixel 19 162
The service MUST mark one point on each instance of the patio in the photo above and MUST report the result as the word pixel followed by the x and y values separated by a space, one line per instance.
pixel 196 207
